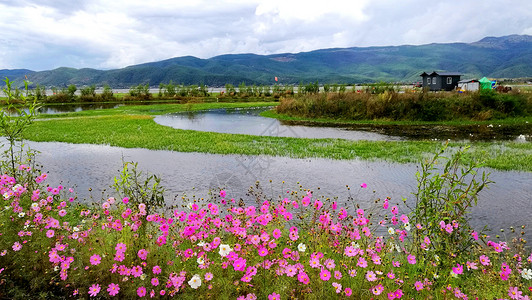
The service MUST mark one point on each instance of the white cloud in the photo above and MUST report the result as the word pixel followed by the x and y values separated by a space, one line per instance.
pixel 113 34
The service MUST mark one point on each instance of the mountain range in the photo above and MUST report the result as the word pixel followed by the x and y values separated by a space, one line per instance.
pixel 494 57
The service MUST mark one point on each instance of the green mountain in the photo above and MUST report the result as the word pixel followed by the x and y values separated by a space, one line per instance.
pixel 497 57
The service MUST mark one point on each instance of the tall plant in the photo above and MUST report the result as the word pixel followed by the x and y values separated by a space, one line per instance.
pixel 15 116
pixel 444 196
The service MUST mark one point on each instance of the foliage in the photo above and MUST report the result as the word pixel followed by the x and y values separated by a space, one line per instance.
pixel 297 245
pixel 16 116
pixel 139 92
pixel 139 188
pixel 384 102
pixel 443 200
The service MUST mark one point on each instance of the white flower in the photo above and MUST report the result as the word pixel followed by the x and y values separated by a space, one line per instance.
pixel 195 281
pixel 75 228
pixel 200 260
pixel 15 187
pixel 391 231
pixel 355 245
pixel 189 205
pixel 397 248
pixel 143 276
pixel 56 268
pixel 436 257
pixel 526 274
pixel 225 250
pixel 407 226
pixel 454 274
pixel 301 247
pixel 34 205
pixel 6 196
pixel 201 243
pixel 21 215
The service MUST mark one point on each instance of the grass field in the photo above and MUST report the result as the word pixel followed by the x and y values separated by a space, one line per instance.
pixel 133 127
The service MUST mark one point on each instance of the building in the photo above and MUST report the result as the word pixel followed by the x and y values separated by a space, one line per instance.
pixel 440 81
pixel 469 85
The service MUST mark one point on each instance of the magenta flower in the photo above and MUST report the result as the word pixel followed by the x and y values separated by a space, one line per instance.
pixel 274 296
pixel 263 251
pixel 50 233
pixel 141 291
pixel 94 290
pixel 222 194
pixel 136 271
pixel 95 260
pixel 325 275
pixel 113 289
pixel 142 254
pixel 121 247
pixel 363 185
pixel 155 281
pixel 418 285
pixel 276 233
pixel 458 270
pixel 156 270
pixel 348 292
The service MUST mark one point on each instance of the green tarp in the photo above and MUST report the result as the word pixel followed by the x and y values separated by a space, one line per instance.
pixel 485 83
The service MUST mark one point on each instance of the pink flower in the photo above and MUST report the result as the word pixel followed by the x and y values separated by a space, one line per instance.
pixel 94 290
pixel 484 260
pixel 377 290
pixel 274 296
pixel 418 285
pixel 222 194
pixel 208 276
pixel 514 293
pixel 276 233
pixel 363 185
pixel 16 246
pixel 362 262
pixel 121 247
pixel 155 281
pixel 156 270
pixel 142 254
pixel 370 276
pixel 125 200
pixel 95 260
pixel 411 259
pixel 50 233
pixel 113 289
pixel 325 275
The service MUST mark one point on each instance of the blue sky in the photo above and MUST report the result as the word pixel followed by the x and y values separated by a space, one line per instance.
pixel 102 34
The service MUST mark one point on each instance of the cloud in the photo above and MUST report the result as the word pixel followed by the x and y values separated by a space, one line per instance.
pixel 113 34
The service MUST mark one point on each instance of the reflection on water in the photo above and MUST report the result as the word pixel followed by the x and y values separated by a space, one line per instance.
pixel 248 121
pixel 507 202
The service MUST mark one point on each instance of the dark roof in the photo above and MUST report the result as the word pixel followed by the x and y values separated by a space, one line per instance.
pixel 441 74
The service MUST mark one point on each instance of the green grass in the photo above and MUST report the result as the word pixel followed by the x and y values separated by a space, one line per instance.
pixel 133 127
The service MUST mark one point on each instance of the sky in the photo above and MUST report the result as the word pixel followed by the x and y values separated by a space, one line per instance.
pixel 103 34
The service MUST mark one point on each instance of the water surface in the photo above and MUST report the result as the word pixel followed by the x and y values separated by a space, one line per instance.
pixel 508 202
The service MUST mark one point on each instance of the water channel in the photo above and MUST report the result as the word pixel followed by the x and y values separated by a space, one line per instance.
pixel 248 121
pixel 90 169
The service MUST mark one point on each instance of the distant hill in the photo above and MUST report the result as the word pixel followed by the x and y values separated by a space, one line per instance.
pixel 498 57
